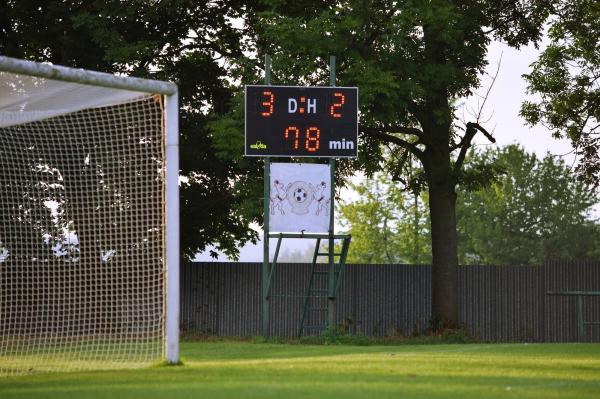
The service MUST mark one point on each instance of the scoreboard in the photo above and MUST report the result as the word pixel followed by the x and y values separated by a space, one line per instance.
pixel 294 121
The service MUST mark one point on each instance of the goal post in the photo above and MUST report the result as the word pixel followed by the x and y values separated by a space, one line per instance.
pixel 172 229
pixel 89 219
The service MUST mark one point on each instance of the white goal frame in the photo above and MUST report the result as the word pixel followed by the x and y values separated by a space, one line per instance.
pixel 170 92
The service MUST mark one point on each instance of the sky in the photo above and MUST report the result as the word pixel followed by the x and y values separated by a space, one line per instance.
pixel 505 124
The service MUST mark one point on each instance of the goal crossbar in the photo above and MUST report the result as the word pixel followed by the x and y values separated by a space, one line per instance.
pixel 83 76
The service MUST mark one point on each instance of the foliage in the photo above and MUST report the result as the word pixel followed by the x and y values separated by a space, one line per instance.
pixel 536 210
pixel 341 336
pixel 297 255
pixel 566 77
pixel 402 56
pixel 387 225
pixel 530 209
pixel 337 336
pixel 177 40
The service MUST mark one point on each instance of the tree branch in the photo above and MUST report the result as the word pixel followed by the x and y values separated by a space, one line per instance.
pixel 381 134
pixel 413 131
pixel 465 143
pixel 489 89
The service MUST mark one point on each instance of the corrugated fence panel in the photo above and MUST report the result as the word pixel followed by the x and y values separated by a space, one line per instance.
pixel 289 286
pixel 475 308
pixel 561 311
pixel 220 299
pixel 517 304
pixel 497 303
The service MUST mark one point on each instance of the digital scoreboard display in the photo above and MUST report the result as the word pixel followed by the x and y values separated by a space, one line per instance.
pixel 293 121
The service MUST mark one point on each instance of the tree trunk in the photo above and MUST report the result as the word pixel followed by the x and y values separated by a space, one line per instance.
pixel 444 275
pixel 436 118
pixel 442 180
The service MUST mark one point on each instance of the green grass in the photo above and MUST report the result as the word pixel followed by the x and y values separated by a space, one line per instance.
pixel 240 370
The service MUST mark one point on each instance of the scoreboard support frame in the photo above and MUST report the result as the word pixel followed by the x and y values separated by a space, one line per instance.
pixel 331 268
pixel 333 275
pixel 266 266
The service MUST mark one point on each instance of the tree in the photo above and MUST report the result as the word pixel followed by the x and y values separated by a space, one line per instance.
pixel 387 225
pixel 534 210
pixel 173 40
pixel 296 255
pixel 411 60
pixel 530 210
pixel 567 78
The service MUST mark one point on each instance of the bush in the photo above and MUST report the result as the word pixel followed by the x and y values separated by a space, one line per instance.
pixel 339 335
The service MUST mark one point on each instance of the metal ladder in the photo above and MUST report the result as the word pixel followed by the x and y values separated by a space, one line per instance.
pixel 323 285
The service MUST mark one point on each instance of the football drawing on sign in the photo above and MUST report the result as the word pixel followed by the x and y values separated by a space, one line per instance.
pixel 278 194
pixel 299 198
pixel 322 198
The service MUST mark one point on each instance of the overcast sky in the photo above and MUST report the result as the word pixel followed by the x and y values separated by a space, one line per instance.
pixel 502 109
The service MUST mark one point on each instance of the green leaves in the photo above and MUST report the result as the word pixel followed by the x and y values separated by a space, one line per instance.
pixel 534 211
pixel 387 225
pixel 517 210
pixel 191 43
pixel 566 77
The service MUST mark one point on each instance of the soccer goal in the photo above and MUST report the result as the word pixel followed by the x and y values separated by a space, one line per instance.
pixel 89 219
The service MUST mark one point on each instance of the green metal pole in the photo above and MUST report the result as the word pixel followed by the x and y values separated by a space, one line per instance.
pixel 266 266
pixel 332 70
pixel 267 69
pixel 331 269
pixel 580 317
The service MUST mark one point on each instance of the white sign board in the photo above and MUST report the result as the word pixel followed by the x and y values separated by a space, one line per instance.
pixel 299 198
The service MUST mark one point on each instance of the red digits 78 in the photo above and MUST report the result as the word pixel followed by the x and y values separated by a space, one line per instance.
pixel 312 140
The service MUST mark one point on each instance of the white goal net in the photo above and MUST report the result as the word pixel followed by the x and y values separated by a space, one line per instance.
pixel 83 202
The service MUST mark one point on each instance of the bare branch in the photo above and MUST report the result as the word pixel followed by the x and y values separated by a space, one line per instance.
pixel 489 89
pixel 473 127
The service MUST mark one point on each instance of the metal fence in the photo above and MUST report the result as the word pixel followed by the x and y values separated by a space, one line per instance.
pixel 497 303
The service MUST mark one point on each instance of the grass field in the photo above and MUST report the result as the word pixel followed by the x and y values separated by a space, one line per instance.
pixel 247 370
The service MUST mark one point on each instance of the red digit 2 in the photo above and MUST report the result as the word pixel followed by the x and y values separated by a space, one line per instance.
pixel 337 105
